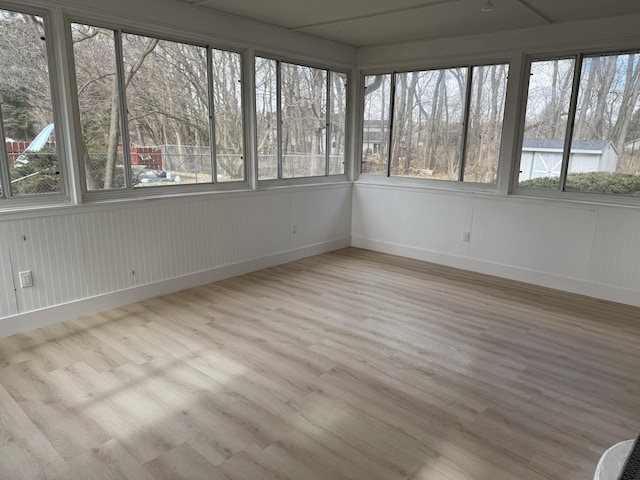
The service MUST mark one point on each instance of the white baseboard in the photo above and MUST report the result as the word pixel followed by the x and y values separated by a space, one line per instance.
pixel 572 285
pixel 59 313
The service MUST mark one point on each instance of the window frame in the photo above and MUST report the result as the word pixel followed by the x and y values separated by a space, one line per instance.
pixel 440 184
pixel 129 191
pixel 578 55
pixel 7 199
pixel 326 178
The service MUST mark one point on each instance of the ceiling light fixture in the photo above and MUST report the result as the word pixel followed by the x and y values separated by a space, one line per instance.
pixel 487 6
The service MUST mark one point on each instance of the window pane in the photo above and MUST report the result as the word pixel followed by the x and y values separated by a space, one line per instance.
pixel 168 111
pixel 427 124
pixel 304 121
pixel 484 131
pixel 97 81
pixel 605 151
pixel 27 113
pixel 267 118
pixel 546 122
pixel 337 122
pixel 227 101
pixel 375 125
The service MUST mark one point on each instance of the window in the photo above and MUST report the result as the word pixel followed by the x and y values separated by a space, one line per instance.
pixel 582 125
pixel 427 123
pixel 337 118
pixel 437 124
pixel 30 161
pixel 227 105
pixel 149 109
pixel 300 117
pixel 375 124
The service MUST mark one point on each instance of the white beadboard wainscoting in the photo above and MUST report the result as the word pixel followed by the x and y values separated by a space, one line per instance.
pixel 587 249
pixel 90 258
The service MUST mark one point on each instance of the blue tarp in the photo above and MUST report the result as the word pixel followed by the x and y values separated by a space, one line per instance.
pixel 36 145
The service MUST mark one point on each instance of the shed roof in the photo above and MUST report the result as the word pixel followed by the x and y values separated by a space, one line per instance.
pixel 557 145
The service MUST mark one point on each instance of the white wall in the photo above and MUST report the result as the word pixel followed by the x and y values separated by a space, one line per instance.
pixel 83 257
pixel 8 305
pixel 587 249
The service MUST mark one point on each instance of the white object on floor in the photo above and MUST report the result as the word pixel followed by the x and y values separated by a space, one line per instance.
pixel 612 461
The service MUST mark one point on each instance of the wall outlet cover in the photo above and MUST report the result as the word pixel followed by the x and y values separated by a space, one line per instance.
pixel 26 279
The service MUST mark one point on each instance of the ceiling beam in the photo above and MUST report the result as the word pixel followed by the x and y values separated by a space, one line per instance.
pixel 527 5
pixel 372 15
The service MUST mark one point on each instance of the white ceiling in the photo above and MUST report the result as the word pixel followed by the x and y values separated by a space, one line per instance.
pixel 382 22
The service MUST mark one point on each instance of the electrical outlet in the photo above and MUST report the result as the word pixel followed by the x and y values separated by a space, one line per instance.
pixel 294 229
pixel 466 236
pixel 26 279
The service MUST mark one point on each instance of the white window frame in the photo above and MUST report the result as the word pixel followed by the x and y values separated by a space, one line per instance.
pixel 460 183
pixel 561 193
pixel 129 191
pixel 7 200
pixel 326 178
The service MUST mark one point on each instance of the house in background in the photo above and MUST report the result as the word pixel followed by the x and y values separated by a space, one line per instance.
pixel 373 131
pixel 542 157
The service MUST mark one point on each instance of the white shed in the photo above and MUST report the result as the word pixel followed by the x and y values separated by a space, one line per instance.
pixel 543 157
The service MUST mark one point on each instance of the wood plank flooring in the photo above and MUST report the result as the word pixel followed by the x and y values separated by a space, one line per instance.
pixel 349 365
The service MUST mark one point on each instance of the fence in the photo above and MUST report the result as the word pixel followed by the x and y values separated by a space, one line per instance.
pixel 15 149
pixel 299 165
pixel 197 159
pixel 149 157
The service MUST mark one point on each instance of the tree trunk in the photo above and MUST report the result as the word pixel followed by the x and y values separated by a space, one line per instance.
pixel 114 127
pixel 582 112
pixel 410 151
pixel 603 93
pixel 627 104
pixel 114 137
pixel 399 122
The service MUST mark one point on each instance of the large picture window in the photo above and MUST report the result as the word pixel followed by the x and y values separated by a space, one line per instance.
pixel 582 125
pixel 300 117
pixel 149 109
pixel 435 124
pixel 29 161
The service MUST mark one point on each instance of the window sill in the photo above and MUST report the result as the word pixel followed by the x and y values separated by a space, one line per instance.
pixel 303 181
pixel 20 206
pixel 422 184
pixel 162 191
pixel 590 201
pixel 115 200
pixel 578 198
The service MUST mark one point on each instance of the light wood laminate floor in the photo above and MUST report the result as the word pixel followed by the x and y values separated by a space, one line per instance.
pixel 350 365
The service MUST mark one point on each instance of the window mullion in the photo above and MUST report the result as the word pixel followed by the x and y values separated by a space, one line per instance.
pixel 392 105
pixel 573 107
pixel 4 164
pixel 465 122
pixel 124 121
pixel 514 122
pixel 212 122
pixel 279 116
pixel 250 135
pixel 73 167
pixel 328 126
